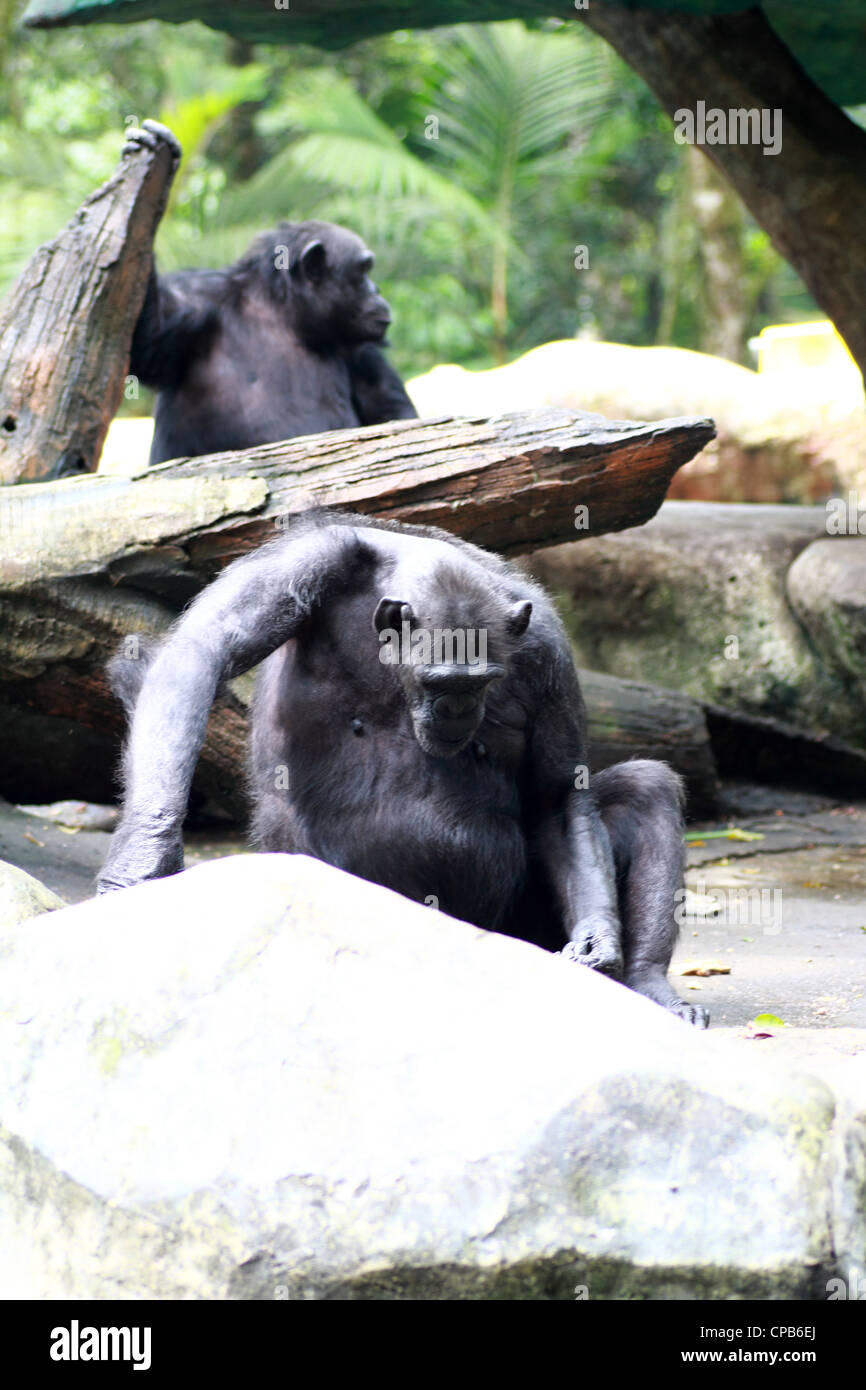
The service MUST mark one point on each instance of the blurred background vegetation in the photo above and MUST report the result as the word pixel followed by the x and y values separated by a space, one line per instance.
pixel 475 161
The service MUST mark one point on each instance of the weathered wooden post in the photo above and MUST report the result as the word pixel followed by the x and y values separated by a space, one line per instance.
pixel 66 327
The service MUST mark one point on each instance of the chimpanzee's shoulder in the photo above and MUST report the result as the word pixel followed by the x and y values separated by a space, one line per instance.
pixel 205 286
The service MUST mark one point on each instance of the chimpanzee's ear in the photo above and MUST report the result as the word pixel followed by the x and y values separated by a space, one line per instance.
pixel 518 617
pixel 314 260
pixel 390 613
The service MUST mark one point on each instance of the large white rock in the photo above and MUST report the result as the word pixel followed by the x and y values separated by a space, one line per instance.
pixel 265 1078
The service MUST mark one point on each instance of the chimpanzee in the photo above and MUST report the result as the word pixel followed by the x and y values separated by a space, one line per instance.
pixel 417 722
pixel 286 341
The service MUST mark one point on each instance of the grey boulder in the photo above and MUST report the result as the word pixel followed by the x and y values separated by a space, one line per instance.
pixel 827 589
pixel 700 600
pixel 266 1079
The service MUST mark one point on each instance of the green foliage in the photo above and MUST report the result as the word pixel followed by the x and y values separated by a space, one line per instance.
pixel 512 109
pixel 475 160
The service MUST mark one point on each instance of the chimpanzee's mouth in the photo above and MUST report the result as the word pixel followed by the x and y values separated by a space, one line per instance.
pixel 440 744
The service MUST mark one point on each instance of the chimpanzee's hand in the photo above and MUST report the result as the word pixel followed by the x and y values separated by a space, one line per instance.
pixel 596 942
pixel 139 852
pixel 150 135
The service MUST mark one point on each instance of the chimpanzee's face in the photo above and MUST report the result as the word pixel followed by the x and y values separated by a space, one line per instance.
pixel 446 670
pixel 335 297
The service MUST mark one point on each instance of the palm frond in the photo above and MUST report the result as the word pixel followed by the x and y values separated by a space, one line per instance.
pixel 341 141
pixel 512 95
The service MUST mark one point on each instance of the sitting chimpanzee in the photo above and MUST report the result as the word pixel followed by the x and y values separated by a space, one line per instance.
pixel 417 722
pixel 286 341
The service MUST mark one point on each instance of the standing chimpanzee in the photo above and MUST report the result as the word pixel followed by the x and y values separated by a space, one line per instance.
pixel 286 341
pixel 417 722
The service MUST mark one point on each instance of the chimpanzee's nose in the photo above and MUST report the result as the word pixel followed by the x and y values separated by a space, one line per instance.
pixel 456 705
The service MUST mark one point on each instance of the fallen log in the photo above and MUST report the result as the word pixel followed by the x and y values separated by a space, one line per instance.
pixel 50 752
pixel 750 747
pixel 66 326
pixel 77 758
pixel 512 483
pixel 86 561
pixel 631 719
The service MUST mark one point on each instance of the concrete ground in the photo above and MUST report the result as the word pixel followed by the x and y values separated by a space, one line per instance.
pixel 791 925
pixel 792 921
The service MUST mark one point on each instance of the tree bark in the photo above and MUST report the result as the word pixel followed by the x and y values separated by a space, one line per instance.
pixel 512 483
pixel 66 327
pixel 811 197
pixel 87 561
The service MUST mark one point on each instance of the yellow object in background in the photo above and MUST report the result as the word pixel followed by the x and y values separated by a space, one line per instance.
pixel 127 446
pixel 788 346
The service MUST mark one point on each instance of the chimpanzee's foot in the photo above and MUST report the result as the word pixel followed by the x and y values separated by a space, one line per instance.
pixel 691 1013
pixel 595 942
pixel 654 985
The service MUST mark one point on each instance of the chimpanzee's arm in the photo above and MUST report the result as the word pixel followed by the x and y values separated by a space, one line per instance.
pixel 176 321
pixel 255 606
pixel 573 841
pixel 377 391
pixel 172 318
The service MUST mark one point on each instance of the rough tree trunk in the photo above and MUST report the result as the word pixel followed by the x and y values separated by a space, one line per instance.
pixel 66 327
pixel 811 197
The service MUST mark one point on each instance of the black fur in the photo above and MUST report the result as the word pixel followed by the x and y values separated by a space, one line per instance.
pixel 447 780
pixel 286 341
